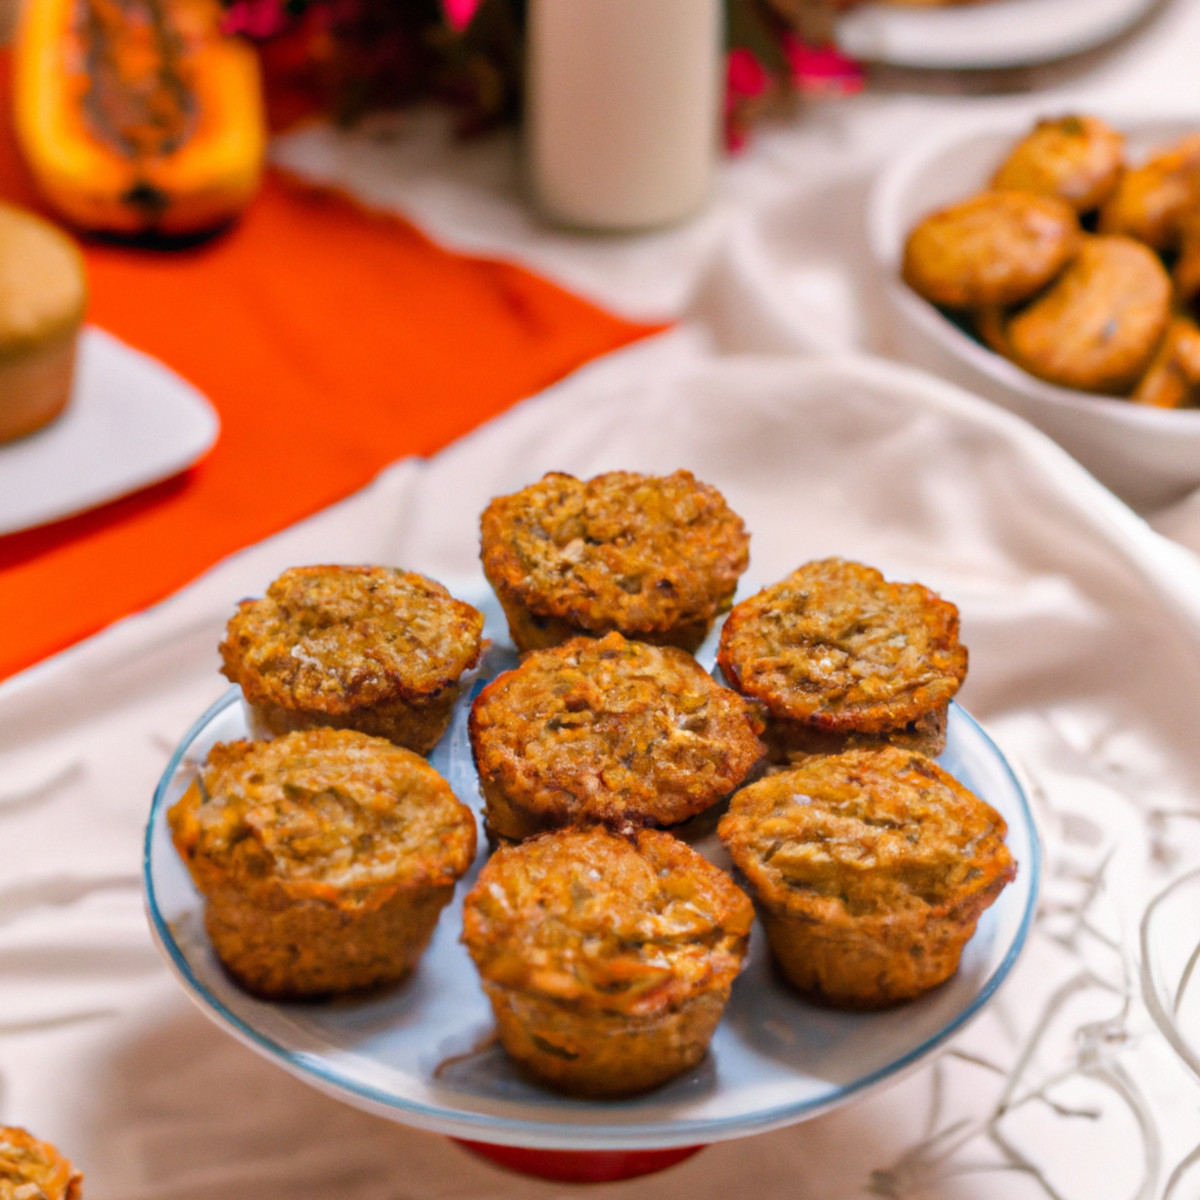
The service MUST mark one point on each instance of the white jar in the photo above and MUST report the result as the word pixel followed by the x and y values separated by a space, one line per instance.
pixel 623 109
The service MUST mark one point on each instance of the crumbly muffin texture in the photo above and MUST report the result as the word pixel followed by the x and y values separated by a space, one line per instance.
pixel 325 812
pixel 607 959
pixel 611 730
pixel 837 647
pixel 866 833
pixel 335 639
pixel 324 856
pixel 871 869
pixel 34 1170
pixel 654 557
pixel 629 924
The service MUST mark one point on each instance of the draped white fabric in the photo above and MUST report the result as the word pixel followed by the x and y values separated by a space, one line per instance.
pixel 1083 627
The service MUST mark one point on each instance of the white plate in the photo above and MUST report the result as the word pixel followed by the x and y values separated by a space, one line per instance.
pixel 131 422
pixel 775 1060
pixel 1148 456
pixel 990 34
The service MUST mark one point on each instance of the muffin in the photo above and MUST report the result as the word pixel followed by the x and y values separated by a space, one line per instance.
pixel 870 869
pixel 375 649
pixel 841 657
pixel 33 1170
pixel 608 730
pixel 607 958
pixel 43 294
pixel 324 856
pixel 653 557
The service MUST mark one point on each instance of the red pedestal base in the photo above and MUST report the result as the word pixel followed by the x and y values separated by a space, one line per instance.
pixel 581 1166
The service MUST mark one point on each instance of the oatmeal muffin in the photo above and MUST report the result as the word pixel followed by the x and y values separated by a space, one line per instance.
pixel 375 649
pixel 324 856
pixel 840 657
pixel 608 730
pixel 607 958
pixel 43 298
pixel 870 869
pixel 33 1170
pixel 996 248
pixel 654 557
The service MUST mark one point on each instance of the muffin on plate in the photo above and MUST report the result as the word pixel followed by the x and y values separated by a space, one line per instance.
pixel 840 657
pixel 324 857
pixel 370 648
pixel 34 1170
pixel 43 295
pixel 653 557
pixel 607 958
pixel 870 869
pixel 608 730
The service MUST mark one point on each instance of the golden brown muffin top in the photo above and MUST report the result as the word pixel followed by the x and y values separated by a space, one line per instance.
pixel 998 247
pixel 330 814
pixel 43 286
pixel 638 553
pixel 34 1170
pixel 629 924
pixel 612 729
pixel 334 639
pixel 1077 158
pixel 868 833
pixel 837 646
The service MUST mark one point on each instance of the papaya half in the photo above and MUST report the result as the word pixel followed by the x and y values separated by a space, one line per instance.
pixel 138 116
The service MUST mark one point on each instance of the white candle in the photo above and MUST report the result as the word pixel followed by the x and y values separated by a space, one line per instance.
pixel 622 109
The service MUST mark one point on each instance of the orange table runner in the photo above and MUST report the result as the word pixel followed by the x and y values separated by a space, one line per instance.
pixel 331 340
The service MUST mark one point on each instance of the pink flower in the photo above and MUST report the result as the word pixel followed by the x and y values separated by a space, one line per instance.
pixel 460 12
pixel 822 69
pixel 747 76
pixel 257 19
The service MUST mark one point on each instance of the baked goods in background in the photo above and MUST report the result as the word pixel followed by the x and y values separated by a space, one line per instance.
pixel 1174 372
pixel 34 1170
pixel 839 657
pixel 1079 159
pixel 1101 320
pixel 1096 327
pixel 43 295
pixel 370 648
pixel 997 248
pixel 608 730
pixel 324 857
pixel 1151 201
pixel 656 558
pixel 607 958
pixel 870 870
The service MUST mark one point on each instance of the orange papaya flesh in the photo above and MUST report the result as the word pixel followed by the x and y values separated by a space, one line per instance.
pixel 138 116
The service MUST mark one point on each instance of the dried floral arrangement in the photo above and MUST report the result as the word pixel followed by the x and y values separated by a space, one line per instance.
pixel 350 57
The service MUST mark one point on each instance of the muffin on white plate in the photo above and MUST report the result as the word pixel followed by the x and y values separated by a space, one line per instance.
pixel 43 295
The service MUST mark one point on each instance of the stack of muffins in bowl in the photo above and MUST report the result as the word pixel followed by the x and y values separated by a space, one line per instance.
pixel 605 942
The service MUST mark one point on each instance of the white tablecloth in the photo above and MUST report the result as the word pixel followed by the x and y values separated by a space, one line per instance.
pixel 1084 632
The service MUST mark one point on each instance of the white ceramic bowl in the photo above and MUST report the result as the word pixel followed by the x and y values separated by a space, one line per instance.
pixel 1149 457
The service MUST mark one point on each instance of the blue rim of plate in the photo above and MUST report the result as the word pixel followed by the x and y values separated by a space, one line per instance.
pixel 548 1134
